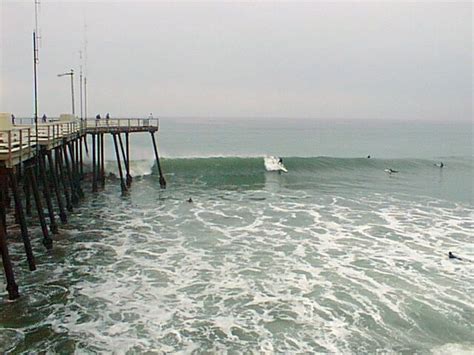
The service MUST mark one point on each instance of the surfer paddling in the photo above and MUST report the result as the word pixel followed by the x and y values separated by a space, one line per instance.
pixel 452 256
pixel 391 171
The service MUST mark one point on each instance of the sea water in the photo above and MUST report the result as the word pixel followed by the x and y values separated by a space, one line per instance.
pixel 334 256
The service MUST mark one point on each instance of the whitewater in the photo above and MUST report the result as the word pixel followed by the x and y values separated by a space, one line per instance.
pixel 336 256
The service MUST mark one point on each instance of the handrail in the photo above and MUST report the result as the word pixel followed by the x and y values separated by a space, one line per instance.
pixel 19 138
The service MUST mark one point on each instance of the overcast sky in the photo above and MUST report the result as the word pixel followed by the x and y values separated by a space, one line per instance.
pixel 377 60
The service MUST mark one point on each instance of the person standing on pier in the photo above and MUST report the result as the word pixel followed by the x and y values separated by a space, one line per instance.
pixel 13 118
pixel 43 119
pixel 97 117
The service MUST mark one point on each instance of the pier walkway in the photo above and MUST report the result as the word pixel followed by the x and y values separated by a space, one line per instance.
pixel 46 162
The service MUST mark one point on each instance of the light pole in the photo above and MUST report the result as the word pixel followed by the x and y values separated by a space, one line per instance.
pixel 71 74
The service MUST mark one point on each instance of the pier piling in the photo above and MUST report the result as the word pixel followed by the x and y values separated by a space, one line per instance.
pixel 47 241
pixel 162 179
pixel 12 287
pixel 63 179
pixel 68 175
pixel 102 161
pixel 22 221
pixel 94 163
pixel 127 144
pixel 54 178
pixel 126 163
pixel 119 165
pixel 47 194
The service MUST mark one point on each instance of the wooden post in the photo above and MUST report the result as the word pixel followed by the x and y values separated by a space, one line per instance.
pixel 74 197
pixel 94 164
pixel 122 183
pixel 81 159
pixel 3 212
pixel 47 241
pixel 22 221
pixel 54 177
pixel 74 169
pixel 12 287
pixel 127 145
pixel 6 196
pixel 47 194
pixel 102 161
pixel 27 192
pixel 76 150
pixel 62 178
pixel 125 160
pixel 98 156
pixel 162 179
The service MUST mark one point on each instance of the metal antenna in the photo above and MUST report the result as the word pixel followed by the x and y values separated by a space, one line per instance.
pixel 36 38
pixel 80 85
pixel 85 68
pixel 37 29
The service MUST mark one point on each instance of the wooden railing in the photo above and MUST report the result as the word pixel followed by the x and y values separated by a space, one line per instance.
pixel 51 131
pixel 130 123
pixel 15 142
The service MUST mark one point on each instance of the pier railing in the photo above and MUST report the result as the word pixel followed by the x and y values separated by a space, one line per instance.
pixel 122 124
pixel 16 144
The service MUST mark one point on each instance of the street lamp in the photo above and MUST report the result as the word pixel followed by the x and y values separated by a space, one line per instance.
pixel 71 74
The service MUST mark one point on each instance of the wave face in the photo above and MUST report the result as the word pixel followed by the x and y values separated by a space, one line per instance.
pixel 255 165
pixel 418 176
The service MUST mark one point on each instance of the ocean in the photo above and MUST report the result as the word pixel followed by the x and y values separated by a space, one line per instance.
pixel 335 256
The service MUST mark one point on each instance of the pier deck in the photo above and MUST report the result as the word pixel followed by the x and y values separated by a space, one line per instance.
pixel 44 163
pixel 19 142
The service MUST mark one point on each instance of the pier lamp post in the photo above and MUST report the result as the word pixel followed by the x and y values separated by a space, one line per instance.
pixel 71 74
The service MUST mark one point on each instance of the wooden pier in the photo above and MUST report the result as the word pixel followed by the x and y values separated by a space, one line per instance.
pixel 46 162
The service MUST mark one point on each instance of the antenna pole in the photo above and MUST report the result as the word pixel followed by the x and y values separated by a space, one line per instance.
pixel 35 64
pixel 80 92
pixel 72 92
pixel 85 98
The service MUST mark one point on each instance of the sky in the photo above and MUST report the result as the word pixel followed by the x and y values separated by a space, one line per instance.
pixel 315 60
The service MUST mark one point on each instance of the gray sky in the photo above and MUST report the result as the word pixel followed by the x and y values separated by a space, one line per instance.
pixel 377 60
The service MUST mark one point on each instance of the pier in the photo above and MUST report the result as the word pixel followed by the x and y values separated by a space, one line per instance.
pixel 44 162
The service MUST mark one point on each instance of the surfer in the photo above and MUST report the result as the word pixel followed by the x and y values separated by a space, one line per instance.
pixel 190 200
pixel 452 256
pixel 440 164
pixel 368 156
pixel 390 171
